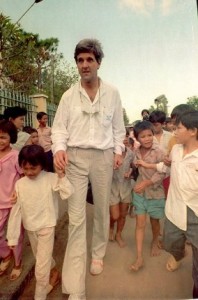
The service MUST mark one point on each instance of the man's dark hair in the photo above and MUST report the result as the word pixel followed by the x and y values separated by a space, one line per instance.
pixel 32 154
pixel 89 46
pixel 157 116
pixel 140 126
pixel 9 128
pixel 14 112
pixel 40 115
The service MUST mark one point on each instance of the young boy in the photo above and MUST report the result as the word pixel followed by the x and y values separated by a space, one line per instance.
pixel 44 134
pixel 181 211
pixel 34 140
pixel 148 196
pixel 121 194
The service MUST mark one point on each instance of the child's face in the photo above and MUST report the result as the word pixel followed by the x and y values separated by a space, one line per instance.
pixel 145 138
pixel 157 127
pixel 182 134
pixel 4 141
pixel 18 122
pixel 43 121
pixel 34 138
pixel 31 171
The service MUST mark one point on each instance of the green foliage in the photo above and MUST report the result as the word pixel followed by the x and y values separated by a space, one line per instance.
pixel 193 101
pixel 126 119
pixel 30 64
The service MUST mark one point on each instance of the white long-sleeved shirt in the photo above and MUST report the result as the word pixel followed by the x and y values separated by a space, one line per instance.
pixel 37 203
pixel 81 123
pixel 183 189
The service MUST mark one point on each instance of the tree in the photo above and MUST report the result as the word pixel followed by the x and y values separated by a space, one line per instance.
pixel 193 101
pixel 30 64
pixel 126 119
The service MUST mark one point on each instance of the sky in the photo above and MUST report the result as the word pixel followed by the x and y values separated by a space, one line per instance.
pixel 150 46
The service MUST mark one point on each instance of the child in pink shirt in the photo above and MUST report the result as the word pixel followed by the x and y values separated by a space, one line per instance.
pixel 9 174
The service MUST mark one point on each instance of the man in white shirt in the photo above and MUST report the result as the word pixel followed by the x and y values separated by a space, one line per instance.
pixel 87 136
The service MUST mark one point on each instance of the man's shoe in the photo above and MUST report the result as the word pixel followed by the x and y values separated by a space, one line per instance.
pixel 96 266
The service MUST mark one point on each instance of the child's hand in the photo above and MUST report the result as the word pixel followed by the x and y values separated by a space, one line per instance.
pixel 140 187
pixel 127 175
pixel 60 172
pixel 142 163
pixel 12 247
pixel 13 198
pixel 167 161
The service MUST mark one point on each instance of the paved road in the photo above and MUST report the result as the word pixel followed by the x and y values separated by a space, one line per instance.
pixel 117 281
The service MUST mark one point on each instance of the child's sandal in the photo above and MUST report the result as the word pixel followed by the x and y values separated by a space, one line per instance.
pixel 5 264
pixel 15 274
pixel 172 265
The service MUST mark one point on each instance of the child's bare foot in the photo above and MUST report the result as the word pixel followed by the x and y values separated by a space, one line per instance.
pixel 155 250
pixel 120 241
pixel 111 235
pixel 137 265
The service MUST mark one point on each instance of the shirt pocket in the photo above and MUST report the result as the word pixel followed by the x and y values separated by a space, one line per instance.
pixel 75 115
pixel 107 116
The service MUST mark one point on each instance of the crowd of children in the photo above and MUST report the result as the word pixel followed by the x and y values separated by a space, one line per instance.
pixel 30 188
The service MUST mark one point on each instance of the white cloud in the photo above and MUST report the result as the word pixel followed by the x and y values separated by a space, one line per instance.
pixel 147 7
pixel 139 6
pixel 166 7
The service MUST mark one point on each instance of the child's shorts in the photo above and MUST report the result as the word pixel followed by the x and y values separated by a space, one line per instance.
pixel 115 199
pixel 153 207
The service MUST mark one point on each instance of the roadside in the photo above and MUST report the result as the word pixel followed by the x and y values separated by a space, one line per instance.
pixel 117 281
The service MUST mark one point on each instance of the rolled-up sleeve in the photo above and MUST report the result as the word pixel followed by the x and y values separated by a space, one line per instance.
pixel 119 131
pixel 59 128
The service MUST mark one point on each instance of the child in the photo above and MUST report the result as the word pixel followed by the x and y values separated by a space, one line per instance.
pixel 34 140
pixel 148 195
pixel 181 223
pixel 44 134
pixel 9 174
pixel 121 195
pixel 16 115
pixel 36 206
pixel 157 118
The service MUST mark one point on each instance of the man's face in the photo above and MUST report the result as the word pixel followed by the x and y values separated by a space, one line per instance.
pixel 182 134
pixel 87 66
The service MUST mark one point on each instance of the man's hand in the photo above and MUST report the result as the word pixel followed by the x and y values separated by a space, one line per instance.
pixel 118 159
pixel 60 160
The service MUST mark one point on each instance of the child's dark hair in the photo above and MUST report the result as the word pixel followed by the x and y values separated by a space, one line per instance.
pixel 32 154
pixel 40 115
pixel 144 111
pixel 180 109
pixel 9 128
pixel 168 120
pixel 131 141
pixel 189 120
pixel 14 112
pixel 157 116
pixel 29 129
pixel 140 126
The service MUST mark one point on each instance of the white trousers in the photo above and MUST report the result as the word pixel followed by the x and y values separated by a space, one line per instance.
pixel 42 243
pixel 96 166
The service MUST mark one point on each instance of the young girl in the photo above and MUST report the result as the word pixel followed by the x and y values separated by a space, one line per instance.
pixel 37 203
pixel 9 174
pixel 148 196
pixel 121 195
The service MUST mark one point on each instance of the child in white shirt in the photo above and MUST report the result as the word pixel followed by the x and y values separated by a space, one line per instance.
pixel 37 207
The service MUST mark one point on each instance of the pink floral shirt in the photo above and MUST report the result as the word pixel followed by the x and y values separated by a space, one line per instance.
pixel 9 173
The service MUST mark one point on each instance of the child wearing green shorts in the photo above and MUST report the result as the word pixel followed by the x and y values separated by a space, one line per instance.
pixel 148 192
